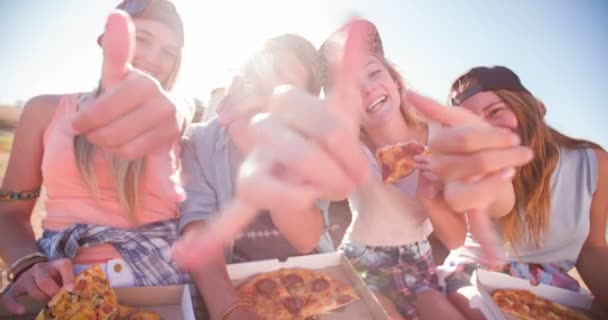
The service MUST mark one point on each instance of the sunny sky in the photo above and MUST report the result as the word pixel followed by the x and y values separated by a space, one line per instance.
pixel 558 47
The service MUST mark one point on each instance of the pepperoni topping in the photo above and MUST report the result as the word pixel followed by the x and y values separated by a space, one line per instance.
pixel 344 299
pixel 107 309
pixel 293 304
pixel 414 148
pixel 266 286
pixel 320 285
pixel 82 284
pixel 386 169
pixel 293 280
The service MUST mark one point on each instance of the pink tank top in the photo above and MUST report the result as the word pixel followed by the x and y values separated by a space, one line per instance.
pixel 69 199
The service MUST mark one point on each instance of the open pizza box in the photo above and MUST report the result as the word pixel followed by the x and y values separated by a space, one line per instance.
pixel 333 264
pixel 487 282
pixel 171 302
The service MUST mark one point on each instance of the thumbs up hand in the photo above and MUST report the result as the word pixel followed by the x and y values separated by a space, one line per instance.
pixel 134 116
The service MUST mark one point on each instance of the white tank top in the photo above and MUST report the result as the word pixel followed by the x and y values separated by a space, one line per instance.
pixel 573 184
pixel 387 214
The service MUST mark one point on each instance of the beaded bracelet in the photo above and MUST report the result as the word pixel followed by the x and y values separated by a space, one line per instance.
pixel 11 195
pixel 233 307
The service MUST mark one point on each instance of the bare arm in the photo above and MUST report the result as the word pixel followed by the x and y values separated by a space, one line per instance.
pixel 594 255
pixel 24 173
pixel 302 229
pixel 212 280
pixel 201 204
pixel 448 225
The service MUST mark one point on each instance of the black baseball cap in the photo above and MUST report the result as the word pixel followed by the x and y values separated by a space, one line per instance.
pixel 482 79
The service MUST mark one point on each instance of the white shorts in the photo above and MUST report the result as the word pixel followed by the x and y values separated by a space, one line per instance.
pixel 119 273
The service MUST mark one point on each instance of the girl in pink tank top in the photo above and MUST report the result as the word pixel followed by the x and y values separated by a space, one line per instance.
pixel 101 209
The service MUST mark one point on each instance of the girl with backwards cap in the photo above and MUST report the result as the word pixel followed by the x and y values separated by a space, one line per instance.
pixel 561 196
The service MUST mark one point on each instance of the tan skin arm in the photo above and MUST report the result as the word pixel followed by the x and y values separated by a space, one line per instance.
pixel 594 254
pixel 215 285
pixel 303 235
pixel 450 226
pixel 24 172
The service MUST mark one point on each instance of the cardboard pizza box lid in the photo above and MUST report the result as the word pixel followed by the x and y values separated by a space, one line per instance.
pixel 171 302
pixel 487 282
pixel 334 264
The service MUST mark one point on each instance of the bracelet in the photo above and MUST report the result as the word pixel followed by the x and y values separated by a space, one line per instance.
pixel 14 271
pixel 13 195
pixel 233 307
pixel 15 275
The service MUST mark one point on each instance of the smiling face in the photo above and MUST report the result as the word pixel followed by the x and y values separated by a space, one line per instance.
pixel 490 107
pixel 380 94
pixel 157 49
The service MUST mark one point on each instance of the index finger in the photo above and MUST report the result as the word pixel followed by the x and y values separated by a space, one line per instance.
pixel 352 45
pixel 66 271
pixel 481 228
pixel 443 114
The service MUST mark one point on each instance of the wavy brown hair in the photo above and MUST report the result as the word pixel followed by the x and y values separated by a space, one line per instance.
pixel 532 184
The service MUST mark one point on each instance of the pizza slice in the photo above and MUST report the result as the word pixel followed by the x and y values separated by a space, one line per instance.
pixel 525 305
pixel 297 281
pixel 132 313
pixel 327 294
pixel 92 295
pixel 269 298
pixel 295 294
pixel 396 161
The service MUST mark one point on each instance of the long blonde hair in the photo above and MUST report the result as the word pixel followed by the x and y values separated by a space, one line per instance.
pixel 127 174
pixel 533 182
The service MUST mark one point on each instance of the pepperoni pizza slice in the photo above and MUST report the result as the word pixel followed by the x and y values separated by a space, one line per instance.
pixel 295 294
pixel 269 298
pixel 525 305
pixel 92 298
pixel 396 161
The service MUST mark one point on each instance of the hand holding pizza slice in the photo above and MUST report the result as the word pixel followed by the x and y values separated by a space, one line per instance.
pixel 91 298
pixel 397 161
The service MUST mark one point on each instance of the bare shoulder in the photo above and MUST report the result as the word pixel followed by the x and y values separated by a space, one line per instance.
pixel 38 111
pixel 602 163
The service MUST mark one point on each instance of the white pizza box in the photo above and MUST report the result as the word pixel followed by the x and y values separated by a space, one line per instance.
pixel 334 264
pixel 171 302
pixel 487 282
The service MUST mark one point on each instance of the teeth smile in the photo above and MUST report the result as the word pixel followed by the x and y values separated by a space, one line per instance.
pixel 372 107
